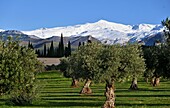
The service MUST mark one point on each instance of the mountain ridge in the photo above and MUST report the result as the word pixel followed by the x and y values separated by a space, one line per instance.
pixel 104 31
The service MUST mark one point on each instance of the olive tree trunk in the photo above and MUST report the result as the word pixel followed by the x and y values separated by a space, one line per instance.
pixel 146 79
pixel 134 85
pixel 155 81
pixel 110 96
pixel 86 88
pixel 75 83
pixel 152 81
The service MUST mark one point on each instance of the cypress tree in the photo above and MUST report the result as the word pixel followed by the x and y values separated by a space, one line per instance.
pixel 37 51
pixel 48 52
pixel 51 54
pixel 45 50
pixel 83 43
pixel 59 50
pixel 30 45
pixel 69 48
pixel 79 43
pixel 62 46
pixel 66 52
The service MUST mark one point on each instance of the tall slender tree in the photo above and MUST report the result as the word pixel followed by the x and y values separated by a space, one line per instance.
pixel 69 48
pixel 51 51
pixel 45 50
pixel 59 50
pixel 62 46
pixel 30 45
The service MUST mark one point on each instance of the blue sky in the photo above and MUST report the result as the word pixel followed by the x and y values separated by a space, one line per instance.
pixel 34 14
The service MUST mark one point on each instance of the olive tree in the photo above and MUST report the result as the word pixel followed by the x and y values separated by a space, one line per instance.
pixel 83 64
pixel 18 70
pixel 66 65
pixel 120 63
pixel 157 58
pixel 106 63
pixel 132 62
pixel 151 60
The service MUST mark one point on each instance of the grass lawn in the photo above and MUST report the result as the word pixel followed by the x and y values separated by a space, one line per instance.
pixel 56 92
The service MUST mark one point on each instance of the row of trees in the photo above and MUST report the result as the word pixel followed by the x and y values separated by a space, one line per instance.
pixel 52 51
pixel 102 63
pixel 107 64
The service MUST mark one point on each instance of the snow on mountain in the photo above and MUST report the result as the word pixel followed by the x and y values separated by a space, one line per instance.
pixel 107 32
pixel 1 30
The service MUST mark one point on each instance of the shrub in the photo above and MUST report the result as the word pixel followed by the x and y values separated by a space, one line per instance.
pixel 18 70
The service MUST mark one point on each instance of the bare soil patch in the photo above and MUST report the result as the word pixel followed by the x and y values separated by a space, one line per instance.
pixel 50 61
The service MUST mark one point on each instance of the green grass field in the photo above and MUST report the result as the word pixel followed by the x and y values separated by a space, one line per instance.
pixel 56 92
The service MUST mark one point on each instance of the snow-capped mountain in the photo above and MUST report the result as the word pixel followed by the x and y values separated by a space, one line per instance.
pixel 106 32
pixel 1 30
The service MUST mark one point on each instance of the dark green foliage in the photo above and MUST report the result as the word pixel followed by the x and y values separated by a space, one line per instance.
pixel 51 50
pixel 30 45
pixel 45 51
pixel 37 51
pixel 79 44
pixel 157 58
pixel 63 67
pixel 60 50
pixel 59 54
pixel 68 50
pixel 18 70
pixel 48 52
pixel 52 67
pixel 151 61
pixel 62 46
pixel 106 63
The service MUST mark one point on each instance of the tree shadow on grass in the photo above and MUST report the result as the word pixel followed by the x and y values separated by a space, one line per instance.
pixel 142 89
pixel 74 98
pixel 68 104
pixel 142 95
pixel 160 105
pixel 91 104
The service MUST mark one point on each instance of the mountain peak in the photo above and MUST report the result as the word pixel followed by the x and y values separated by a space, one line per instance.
pixel 13 32
pixel 102 21
pixel 103 30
